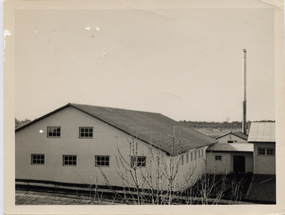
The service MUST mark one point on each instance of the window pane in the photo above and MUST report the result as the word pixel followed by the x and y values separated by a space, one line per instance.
pixel 270 151
pixel 53 132
pixel 86 132
pixel 101 160
pixel 37 159
pixel 218 157
pixel 261 151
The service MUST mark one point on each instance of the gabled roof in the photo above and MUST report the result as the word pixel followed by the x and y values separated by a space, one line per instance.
pixel 237 133
pixel 152 128
pixel 231 147
pixel 262 132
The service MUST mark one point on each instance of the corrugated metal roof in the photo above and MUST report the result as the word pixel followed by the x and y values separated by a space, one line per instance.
pixel 152 128
pixel 232 147
pixel 237 133
pixel 262 132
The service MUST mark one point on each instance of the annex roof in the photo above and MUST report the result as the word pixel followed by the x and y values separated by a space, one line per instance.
pixel 237 133
pixel 262 132
pixel 152 128
pixel 231 147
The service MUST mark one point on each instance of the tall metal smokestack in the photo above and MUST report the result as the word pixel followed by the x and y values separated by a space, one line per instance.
pixel 244 95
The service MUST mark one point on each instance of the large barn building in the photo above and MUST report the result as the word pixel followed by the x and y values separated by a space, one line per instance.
pixel 83 144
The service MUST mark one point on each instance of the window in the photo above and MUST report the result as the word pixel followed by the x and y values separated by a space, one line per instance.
pixel 261 151
pixel 199 153
pixel 230 141
pixel 182 159
pixel 187 158
pixel 69 160
pixel 195 155
pixel 138 161
pixel 266 151
pixel 191 156
pixel 202 152
pixel 85 132
pixel 38 159
pixel 102 160
pixel 218 157
pixel 270 151
pixel 53 131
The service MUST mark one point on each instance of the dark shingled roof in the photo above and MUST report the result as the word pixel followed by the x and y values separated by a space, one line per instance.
pixel 152 128
pixel 237 133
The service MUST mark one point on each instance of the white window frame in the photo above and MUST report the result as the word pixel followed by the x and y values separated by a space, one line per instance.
pixel 37 159
pixel 83 137
pixel 218 156
pixel 266 151
pixel 68 156
pixel 134 161
pixel 107 161
pixel 53 127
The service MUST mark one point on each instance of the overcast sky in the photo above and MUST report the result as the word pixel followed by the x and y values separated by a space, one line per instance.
pixel 184 63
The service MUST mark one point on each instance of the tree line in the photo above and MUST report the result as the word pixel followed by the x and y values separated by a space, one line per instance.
pixel 19 123
pixel 219 125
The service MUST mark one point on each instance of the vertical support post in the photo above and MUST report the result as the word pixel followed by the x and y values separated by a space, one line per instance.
pixel 244 96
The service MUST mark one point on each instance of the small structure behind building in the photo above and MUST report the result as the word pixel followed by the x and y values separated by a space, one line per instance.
pixel 232 137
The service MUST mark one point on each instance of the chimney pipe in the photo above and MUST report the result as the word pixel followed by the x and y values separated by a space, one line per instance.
pixel 244 96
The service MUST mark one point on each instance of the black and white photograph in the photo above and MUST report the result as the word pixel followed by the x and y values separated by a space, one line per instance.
pixel 132 102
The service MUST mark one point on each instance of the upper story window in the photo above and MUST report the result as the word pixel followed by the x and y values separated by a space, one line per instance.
pixel 85 132
pixel 191 156
pixel 218 157
pixel 266 151
pixel 187 157
pixel 138 161
pixel 102 160
pixel 69 160
pixel 38 159
pixel 53 131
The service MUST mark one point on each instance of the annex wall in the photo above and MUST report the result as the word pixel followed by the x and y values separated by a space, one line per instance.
pixel 191 167
pixel 264 164
pixel 225 165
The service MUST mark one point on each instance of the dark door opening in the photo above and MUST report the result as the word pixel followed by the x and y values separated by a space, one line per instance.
pixel 239 163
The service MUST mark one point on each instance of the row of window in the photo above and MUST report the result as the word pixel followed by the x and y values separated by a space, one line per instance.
pixel 193 156
pixel 84 132
pixel 266 151
pixel 100 160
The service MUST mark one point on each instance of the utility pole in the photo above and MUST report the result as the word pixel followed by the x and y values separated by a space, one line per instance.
pixel 244 96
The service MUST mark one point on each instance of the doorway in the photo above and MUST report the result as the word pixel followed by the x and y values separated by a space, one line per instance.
pixel 239 163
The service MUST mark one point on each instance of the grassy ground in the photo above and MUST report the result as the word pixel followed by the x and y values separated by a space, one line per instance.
pixel 237 189
pixel 263 189
pixel 40 198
